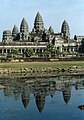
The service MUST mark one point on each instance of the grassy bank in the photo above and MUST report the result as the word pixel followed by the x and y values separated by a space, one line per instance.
pixel 64 64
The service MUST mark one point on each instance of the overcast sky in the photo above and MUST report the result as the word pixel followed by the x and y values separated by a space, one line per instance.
pixel 52 11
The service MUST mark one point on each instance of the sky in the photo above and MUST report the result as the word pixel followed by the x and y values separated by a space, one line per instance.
pixel 53 12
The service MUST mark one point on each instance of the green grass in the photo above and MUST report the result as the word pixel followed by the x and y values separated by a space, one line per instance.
pixel 64 64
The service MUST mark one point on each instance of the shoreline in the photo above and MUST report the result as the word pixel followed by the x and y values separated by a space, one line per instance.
pixel 74 67
pixel 43 72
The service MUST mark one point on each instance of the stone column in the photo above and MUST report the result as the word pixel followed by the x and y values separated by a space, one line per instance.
pixel 10 50
pixel 2 51
pixel 70 50
pixel 61 49
pixel 21 51
pixel 35 51
pixel 6 50
pixel 42 50
pixel 73 49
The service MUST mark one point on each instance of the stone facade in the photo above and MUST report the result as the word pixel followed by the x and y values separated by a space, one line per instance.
pixel 38 39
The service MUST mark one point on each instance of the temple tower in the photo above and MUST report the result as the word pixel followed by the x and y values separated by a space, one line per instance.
pixel 38 23
pixel 24 26
pixel 15 32
pixel 65 30
pixel 51 30
pixel 7 36
pixel 24 30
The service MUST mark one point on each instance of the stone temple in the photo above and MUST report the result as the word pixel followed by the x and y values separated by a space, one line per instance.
pixel 39 38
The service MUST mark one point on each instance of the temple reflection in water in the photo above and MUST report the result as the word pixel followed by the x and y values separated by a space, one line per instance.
pixel 40 90
pixel 25 95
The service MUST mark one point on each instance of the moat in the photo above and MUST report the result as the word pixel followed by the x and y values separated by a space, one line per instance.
pixel 57 98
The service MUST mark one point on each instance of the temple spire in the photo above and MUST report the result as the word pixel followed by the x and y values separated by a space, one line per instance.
pixel 38 23
pixel 51 30
pixel 65 29
pixel 24 26
pixel 15 31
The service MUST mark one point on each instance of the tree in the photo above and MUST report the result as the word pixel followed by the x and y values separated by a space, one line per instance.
pixel 29 52
pixel 50 50
pixel 75 37
pixel 15 52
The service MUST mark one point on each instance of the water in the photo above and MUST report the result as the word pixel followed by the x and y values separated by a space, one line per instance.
pixel 42 99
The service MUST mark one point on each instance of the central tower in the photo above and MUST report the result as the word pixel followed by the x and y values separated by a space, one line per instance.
pixel 38 23
pixel 65 30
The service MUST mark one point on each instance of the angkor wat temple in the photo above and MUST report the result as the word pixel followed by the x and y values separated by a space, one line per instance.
pixel 39 38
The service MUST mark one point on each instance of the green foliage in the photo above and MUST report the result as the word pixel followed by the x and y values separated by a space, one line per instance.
pixel 59 64
pixel 29 52
pixel 15 52
pixel 50 50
